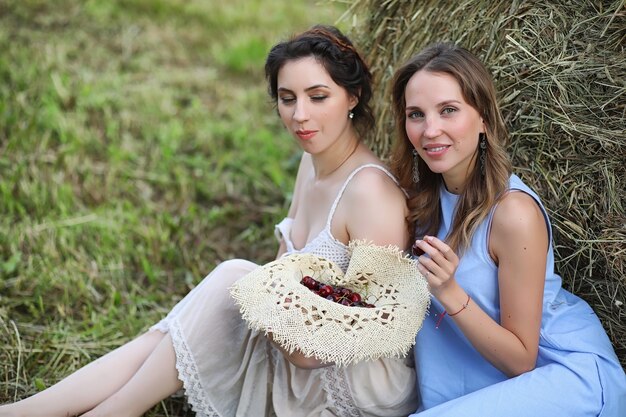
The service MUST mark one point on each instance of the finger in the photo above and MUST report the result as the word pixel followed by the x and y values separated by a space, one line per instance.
pixel 434 281
pixel 427 274
pixel 421 247
pixel 442 247
pixel 438 264
pixel 432 253
pixel 432 266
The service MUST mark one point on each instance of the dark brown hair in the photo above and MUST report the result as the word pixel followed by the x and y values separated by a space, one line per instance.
pixel 341 60
pixel 481 191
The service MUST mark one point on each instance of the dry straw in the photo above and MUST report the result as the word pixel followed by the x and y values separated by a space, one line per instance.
pixel 560 69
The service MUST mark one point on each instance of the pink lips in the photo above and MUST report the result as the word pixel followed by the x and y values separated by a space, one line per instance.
pixel 306 134
pixel 436 149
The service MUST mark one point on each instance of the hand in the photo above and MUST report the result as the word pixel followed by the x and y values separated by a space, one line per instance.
pixel 440 264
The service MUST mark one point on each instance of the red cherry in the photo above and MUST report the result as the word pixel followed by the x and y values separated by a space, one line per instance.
pixel 325 290
pixel 340 295
pixel 309 282
pixel 354 297
pixel 416 250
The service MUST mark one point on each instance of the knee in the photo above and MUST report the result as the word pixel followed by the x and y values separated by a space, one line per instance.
pixel 236 266
pixel 224 275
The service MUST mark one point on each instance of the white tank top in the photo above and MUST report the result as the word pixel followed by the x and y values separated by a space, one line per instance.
pixel 325 244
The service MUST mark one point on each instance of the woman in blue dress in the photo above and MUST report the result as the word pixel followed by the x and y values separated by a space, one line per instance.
pixel 502 337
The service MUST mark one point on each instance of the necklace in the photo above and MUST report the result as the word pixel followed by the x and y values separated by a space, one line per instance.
pixel 344 161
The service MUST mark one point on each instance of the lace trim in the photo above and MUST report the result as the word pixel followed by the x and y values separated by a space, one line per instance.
pixel 335 384
pixel 189 375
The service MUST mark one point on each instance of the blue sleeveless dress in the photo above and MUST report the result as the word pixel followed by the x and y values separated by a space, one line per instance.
pixel 577 373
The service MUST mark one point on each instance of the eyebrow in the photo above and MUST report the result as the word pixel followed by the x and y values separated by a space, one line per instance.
pixel 441 104
pixel 313 87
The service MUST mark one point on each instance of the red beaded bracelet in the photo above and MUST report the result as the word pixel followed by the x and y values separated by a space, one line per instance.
pixel 463 307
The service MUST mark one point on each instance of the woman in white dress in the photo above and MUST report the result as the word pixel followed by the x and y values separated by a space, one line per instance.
pixel 321 87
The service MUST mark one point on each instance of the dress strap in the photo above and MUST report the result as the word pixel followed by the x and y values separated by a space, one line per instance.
pixel 345 184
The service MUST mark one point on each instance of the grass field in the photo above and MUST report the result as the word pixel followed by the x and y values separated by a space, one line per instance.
pixel 138 148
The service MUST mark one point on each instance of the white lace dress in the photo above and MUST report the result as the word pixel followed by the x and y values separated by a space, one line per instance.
pixel 228 370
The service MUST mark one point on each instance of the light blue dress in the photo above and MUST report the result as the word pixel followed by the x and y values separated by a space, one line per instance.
pixel 577 373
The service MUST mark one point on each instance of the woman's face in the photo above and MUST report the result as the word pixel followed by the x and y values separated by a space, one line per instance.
pixel 442 126
pixel 312 107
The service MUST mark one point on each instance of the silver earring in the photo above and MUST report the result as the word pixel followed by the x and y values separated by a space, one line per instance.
pixel 482 142
pixel 350 115
pixel 416 172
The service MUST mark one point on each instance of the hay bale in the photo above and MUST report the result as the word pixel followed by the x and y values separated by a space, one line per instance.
pixel 559 68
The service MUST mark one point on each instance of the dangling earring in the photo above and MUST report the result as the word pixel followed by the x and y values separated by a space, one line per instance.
pixel 350 115
pixel 416 172
pixel 482 142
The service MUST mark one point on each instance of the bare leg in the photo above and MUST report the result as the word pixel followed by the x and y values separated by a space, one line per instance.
pixel 155 380
pixel 90 385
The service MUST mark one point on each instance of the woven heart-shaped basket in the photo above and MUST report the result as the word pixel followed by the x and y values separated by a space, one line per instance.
pixel 272 300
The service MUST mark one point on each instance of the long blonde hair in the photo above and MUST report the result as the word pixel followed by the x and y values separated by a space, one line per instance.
pixel 481 191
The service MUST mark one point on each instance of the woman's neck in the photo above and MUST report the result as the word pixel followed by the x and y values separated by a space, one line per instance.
pixel 455 182
pixel 334 158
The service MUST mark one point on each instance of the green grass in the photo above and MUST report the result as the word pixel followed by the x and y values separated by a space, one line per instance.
pixel 138 148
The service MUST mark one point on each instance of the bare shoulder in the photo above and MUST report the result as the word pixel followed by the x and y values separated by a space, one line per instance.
pixel 518 223
pixel 374 183
pixel 516 212
pixel 374 208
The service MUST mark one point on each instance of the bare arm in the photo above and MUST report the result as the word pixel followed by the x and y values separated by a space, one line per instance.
pixel 518 243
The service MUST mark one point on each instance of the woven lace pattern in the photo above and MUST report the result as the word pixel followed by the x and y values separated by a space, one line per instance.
pixel 271 299
pixel 189 375
pixel 338 392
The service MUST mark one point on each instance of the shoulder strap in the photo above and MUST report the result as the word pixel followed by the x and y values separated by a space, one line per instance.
pixel 345 184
